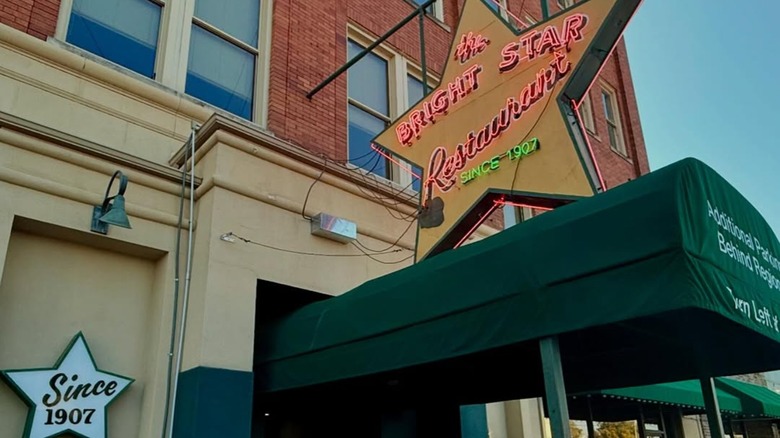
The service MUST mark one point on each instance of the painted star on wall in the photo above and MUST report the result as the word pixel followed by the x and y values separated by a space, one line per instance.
pixel 70 398
pixel 502 125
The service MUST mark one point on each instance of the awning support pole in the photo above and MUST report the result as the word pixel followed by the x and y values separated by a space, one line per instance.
pixel 713 410
pixel 589 423
pixel 554 388
pixel 641 424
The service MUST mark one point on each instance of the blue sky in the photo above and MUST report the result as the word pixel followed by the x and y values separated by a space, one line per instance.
pixel 707 80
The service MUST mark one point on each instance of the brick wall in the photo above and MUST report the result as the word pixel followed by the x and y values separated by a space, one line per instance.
pixel 309 43
pixel 35 17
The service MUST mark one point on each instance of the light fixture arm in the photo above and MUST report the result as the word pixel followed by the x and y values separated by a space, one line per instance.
pixel 121 191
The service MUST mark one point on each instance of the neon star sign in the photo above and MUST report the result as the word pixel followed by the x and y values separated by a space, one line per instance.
pixel 502 88
pixel 71 398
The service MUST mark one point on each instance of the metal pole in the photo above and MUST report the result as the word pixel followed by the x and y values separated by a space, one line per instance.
pixel 641 423
pixel 713 410
pixel 663 422
pixel 591 429
pixel 422 54
pixel 187 277
pixel 380 40
pixel 545 10
pixel 554 388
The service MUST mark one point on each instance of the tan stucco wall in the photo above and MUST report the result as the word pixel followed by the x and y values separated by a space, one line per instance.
pixel 53 289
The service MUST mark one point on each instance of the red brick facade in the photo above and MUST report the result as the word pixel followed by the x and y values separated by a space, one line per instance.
pixel 35 17
pixel 309 42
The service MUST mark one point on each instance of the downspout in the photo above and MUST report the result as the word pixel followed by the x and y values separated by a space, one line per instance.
pixel 177 268
pixel 170 402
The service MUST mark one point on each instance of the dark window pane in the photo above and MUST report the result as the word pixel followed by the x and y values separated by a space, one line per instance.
pixel 416 182
pixel 608 106
pixel 220 73
pixel 415 90
pixel 613 138
pixel 367 80
pixel 363 127
pixel 238 18
pixel 122 31
pixel 428 10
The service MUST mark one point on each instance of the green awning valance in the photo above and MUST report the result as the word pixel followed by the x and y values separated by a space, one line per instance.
pixel 675 265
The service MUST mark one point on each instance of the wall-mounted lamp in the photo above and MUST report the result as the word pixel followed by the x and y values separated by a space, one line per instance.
pixel 111 212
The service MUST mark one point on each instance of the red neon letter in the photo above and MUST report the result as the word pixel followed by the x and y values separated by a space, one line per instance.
pixel 511 57
pixel 440 102
pixel 435 167
pixel 471 76
pixel 404 134
pixel 572 27
pixel 529 43
pixel 550 39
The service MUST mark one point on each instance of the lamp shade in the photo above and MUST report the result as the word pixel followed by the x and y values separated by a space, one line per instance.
pixel 116 214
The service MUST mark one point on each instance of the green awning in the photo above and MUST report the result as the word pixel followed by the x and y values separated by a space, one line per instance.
pixel 757 400
pixel 736 400
pixel 649 282
pixel 685 394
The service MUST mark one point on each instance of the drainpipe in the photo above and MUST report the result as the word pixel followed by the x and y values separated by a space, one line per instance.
pixel 171 396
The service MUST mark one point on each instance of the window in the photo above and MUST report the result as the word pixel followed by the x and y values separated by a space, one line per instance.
pixel 381 87
pixel 224 65
pixel 586 113
pixel 122 31
pixel 434 10
pixel 223 54
pixel 369 109
pixel 563 4
pixel 612 115
pixel 498 6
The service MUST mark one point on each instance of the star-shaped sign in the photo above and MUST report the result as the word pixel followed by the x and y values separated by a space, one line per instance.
pixel 70 398
pixel 502 126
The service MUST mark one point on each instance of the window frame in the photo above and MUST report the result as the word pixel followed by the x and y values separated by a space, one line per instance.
pixel 438 9
pixel 63 24
pixel 621 148
pixel 565 4
pixel 173 48
pixel 230 39
pixel 502 7
pixel 588 120
pixel 399 67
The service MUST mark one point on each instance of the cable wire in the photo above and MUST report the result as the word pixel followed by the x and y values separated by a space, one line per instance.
pixel 292 251
pixel 391 245
pixel 371 256
pixel 306 201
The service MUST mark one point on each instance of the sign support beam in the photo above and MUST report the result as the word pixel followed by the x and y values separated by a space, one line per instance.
pixel 713 410
pixel 419 11
pixel 554 388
